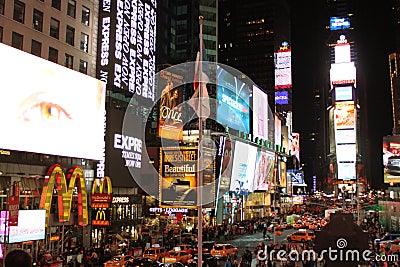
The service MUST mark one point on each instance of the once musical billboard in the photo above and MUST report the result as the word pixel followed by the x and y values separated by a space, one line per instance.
pixel 49 109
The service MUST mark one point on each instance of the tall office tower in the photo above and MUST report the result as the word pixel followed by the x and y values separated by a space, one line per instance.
pixel 250 32
pixel 64 32
pixel 394 68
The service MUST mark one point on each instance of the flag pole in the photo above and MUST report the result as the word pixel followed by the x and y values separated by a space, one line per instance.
pixel 199 158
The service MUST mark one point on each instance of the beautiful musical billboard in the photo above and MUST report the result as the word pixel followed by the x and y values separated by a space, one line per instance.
pixel 178 179
pixel 49 109
pixel 264 170
pixel 127 45
pixel 233 101
pixel 260 113
pixel 244 161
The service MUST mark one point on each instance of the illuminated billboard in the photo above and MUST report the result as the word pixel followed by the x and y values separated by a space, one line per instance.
pixel 49 109
pixel 31 226
pixel 264 170
pixel 283 60
pixel 343 73
pixel 344 115
pixel 342 53
pixel 260 113
pixel 339 23
pixel 343 93
pixel 346 152
pixel 227 149
pixel 170 123
pixel 127 45
pixel 345 136
pixel 296 177
pixel 283 78
pixel 391 159
pixel 282 97
pixel 244 161
pixel 233 101
pixel 346 171
pixel 295 145
pixel 178 179
pixel 278 130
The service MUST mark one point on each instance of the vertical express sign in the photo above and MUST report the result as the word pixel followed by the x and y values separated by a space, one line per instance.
pixel 126 57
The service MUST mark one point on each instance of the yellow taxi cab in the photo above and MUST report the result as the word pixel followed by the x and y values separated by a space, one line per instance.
pixel 301 236
pixel 313 226
pixel 177 256
pixel 118 261
pixel 298 225
pixel 188 248
pixel 155 253
pixel 223 250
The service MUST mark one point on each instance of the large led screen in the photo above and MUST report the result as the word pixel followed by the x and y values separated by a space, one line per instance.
pixel 295 145
pixel 227 150
pixel 124 148
pixel 343 73
pixel 49 109
pixel 260 113
pixel 296 177
pixel 391 159
pixel 344 93
pixel 344 115
pixel 345 136
pixel 283 60
pixel 339 23
pixel 283 78
pixel 243 168
pixel 282 97
pixel 346 152
pixel 342 53
pixel 233 102
pixel 127 45
pixel 178 169
pixel 31 226
pixel 264 170
pixel 346 171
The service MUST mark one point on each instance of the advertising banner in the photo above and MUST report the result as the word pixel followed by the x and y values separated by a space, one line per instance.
pixel 233 101
pixel 244 161
pixel 170 114
pixel 343 93
pixel 344 115
pixel 127 45
pixel 283 60
pixel 260 113
pixel 295 145
pixel 226 167
pixel 283 78
pixel 346 153
pixel 13 207
pixel 31 226
pixel 296 177
pixel 51 103
pixel 264 170
pixel 178 179
pixel 339 23
pixel 391 159
pixel 346 171
pixel 345 136
pixel 343 73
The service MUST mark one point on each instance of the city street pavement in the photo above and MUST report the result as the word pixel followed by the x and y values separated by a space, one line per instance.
pixel 251 241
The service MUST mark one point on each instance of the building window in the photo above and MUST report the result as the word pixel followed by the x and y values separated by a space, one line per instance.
pixel 53 54
pixel 56 4
pixel 84 42
pixel 37 20
pixel 71 11
pixel 83 66
pixel 1 7
pixel 70 35
pixel 85 15
pixel 69 61
pixel 54 28
pixel 17 40
pixel 19 11
pixel 36 48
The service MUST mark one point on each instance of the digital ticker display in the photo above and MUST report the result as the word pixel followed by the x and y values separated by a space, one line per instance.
pixel 127 45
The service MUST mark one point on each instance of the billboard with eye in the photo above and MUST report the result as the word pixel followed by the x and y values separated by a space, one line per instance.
pixel 49 109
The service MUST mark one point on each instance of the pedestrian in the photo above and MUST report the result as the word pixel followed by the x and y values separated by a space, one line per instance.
pixel 228 262
pixel 18 257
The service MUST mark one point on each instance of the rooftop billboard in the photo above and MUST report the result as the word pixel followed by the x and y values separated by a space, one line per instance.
pixel 48 108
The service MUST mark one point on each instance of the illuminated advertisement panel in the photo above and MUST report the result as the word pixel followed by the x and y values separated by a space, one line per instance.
pixel 295 146
pixel 283 60
pixel 342 53
pixel 344 93
pixel 339 23
pixel 260 113
pixel 282 97
pixel 124 147
pixel 51 103
pixel 227 151
pixel 296 177
pixel 264 170
pixel 346 171
pixel 31 226
pixel 391 159
pixel 233 102
pixel 127 45
pixel 346 152
pixel 283 78
pixel 278 131
pixel 343 73
pixel 344 115
pixel 345 136
pixel 178 169
pixel 170 113
pixel 243 168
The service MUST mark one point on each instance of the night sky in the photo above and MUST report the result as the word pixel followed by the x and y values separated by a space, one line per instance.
pixel 375 41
